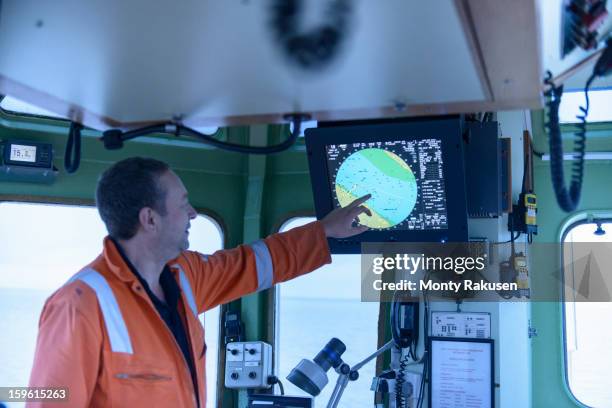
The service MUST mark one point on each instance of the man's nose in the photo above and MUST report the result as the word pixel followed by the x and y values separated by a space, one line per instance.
pixel 192 212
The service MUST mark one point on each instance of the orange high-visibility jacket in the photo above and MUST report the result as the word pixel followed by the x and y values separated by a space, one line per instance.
pixel 101 336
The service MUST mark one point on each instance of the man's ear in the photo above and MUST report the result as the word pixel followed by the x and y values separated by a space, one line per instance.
pixel 148 219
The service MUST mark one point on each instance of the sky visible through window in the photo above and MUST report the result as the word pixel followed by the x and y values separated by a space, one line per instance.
pixel 324 304
pixel 600 101
pixel 15 105
pixel 588 327
pixel 43 245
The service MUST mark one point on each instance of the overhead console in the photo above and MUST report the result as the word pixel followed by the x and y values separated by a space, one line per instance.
pixel 112 64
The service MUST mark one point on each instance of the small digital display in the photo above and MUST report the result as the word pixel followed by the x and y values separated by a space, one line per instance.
pixel 23 153
pixel 405 178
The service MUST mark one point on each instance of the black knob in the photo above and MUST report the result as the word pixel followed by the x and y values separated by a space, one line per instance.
pixel 252 374
pixel 252 351
pixel 234 376
pixel 234 352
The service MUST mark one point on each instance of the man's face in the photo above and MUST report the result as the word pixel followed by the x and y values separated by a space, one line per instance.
pixel 173 232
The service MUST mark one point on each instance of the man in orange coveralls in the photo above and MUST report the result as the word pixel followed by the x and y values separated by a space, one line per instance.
pixel 124 331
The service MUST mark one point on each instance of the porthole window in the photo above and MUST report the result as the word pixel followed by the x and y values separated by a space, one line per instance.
pixel 588 328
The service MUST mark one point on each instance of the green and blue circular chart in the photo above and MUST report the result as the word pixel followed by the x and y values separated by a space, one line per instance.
pixel 384 175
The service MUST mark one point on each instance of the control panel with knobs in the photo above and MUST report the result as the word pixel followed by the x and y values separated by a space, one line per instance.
pixel 248 364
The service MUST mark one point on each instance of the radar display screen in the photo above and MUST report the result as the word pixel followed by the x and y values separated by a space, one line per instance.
pixel 404 177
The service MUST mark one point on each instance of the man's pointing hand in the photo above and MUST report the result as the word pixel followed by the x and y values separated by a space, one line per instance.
pixel 340 222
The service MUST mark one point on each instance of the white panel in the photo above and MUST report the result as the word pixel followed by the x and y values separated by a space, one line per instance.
pixel 141 60
pixel 514 354
pixel 461 374
pixel 493 309
pixel 462 325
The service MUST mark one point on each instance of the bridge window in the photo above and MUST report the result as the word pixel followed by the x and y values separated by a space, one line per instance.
pixel 588 329
pixel 600 101
pixel 42 246
pixel 325 304
pixel 19 107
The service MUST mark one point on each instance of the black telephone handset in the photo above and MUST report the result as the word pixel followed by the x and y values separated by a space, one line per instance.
pixel 405 323
pixel 603 66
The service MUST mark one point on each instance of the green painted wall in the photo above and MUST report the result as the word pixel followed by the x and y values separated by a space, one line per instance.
pixel 549 386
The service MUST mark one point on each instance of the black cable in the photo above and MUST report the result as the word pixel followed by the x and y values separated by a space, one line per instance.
pixel 400 379
pixel 395 332
pixel 234 147
pixel 424 375
pixel 113 139
pixel 525 169
pixel 272 379
pixel 580 143
pixel 425 352
pixel 513 238
pixel 280 385
pixel 425 357
pixel 72 157
pixel 411 354
pixel 567 200
pixel 412 350
pixel 536 153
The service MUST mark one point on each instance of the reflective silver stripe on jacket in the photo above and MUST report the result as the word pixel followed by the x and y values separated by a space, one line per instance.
pixel 186 287
pixel 263 261
pixel 115 324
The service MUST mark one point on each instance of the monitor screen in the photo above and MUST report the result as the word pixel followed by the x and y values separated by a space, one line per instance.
pixel 404 177
pixel 412 169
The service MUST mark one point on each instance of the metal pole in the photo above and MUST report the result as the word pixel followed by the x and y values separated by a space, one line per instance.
pixel 338 391
pixel 343 379
pixel 378 352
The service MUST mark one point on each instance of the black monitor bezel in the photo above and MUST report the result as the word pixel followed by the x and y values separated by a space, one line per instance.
pixel 430 341
pixel 449 129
